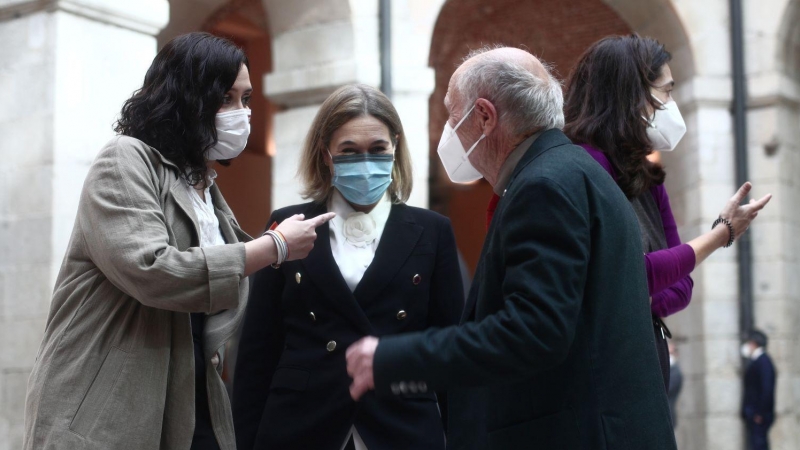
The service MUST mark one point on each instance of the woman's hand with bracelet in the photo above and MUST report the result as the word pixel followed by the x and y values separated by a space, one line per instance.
pixel 300 234
pixel 740 216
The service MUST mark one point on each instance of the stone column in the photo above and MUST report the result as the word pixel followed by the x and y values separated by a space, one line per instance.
pixel 317 46
pixel 772 45
pixel 65 69
pixel 413 83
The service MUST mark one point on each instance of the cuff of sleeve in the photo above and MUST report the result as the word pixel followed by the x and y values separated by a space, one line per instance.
pixel 394 365
pixel 225 265
pixel 686 258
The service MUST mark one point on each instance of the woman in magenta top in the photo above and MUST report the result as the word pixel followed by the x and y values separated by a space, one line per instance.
pixel 619 106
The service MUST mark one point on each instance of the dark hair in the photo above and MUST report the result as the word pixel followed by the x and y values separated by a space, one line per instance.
pixel 759 338
pixel 175 109
pixel 607 97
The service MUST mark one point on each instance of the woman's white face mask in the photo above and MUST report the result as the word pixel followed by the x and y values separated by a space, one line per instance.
pixel 233 129
pixel 667 127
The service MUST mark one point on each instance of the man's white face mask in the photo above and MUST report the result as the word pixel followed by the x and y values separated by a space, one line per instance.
pixel 667 127
pixel 454 158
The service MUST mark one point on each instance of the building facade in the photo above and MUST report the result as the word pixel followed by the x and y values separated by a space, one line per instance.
pixel 66 66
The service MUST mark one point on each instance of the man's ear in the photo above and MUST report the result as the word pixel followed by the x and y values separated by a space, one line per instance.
pixel 486 114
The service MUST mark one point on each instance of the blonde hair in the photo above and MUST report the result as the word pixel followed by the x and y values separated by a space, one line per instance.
pixel 344 105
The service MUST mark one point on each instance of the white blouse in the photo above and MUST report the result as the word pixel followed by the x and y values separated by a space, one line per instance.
pixel 210 233
pixel 354 240
pixel 355 236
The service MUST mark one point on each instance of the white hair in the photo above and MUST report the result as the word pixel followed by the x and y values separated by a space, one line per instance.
pixel 524 102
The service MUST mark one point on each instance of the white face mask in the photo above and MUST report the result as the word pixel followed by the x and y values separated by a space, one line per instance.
pixel 667 127
pixel 745 350
pixel 233 129
pixel 454 158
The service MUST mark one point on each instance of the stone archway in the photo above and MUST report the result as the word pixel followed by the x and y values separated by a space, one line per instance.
pixel 555 31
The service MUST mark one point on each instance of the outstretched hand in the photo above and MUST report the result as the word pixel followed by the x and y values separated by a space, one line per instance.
pixel 740 215
pixel 300 234
pixel 360 357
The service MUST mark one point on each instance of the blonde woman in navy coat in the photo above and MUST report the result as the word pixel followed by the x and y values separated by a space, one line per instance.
pixel 380 268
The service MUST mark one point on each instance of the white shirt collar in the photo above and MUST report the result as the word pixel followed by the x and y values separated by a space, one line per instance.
pixel 757 353
pixel 343 209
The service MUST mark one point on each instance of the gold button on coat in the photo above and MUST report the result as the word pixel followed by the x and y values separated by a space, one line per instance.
pixel 312 316
pixel 417 279
pixel 297 277
pixel 331 346
pixel 401 315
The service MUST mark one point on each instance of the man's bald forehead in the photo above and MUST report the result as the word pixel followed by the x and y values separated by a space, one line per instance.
pixel 511 54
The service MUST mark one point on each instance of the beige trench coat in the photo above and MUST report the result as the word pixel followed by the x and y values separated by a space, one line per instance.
pixel 115 370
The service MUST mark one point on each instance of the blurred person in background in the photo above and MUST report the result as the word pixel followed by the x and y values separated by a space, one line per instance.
pixel 619 107
pixel 380 268
pixel 153 281
pixel 758 403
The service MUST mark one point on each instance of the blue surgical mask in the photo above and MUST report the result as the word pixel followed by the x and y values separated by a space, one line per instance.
pixel 362 179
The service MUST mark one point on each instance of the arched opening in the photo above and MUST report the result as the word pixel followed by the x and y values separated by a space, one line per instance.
pixel 247 182
pixel 555 31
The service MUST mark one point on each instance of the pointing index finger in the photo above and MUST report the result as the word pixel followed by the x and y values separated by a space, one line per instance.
pixel 321 219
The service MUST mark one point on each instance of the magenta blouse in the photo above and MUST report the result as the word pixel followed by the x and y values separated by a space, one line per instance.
pixel 667 270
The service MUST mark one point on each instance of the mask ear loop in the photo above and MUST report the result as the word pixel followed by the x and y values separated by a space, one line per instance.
pixel 472 149
pixel 649 122
pixel 463 119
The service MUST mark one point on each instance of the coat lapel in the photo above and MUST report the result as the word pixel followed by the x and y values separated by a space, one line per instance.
pixel 181 196
pixel 400 236
pixel 324 273
pixel 227 223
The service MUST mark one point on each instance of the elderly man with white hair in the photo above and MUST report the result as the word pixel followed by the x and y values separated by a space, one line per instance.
pixel 555 349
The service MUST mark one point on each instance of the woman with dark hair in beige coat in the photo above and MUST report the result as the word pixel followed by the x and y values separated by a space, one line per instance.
pixel 153 281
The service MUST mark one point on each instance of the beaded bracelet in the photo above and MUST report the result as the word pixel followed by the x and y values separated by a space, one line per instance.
pixel 727 223
pixel 280 245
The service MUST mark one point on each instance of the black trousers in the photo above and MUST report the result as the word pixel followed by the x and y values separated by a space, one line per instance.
pixel 757 436
pixel 203 438
pixel 662 347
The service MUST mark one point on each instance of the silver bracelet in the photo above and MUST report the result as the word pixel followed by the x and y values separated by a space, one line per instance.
pixel 281 247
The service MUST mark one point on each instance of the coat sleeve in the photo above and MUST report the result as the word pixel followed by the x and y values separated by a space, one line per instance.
pixel 766 389
pixel 126 236
pixel 668 271
pixel 545 254
pixel 447 293
pixel 260 348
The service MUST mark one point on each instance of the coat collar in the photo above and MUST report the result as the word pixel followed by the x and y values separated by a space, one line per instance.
pixel 549 139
